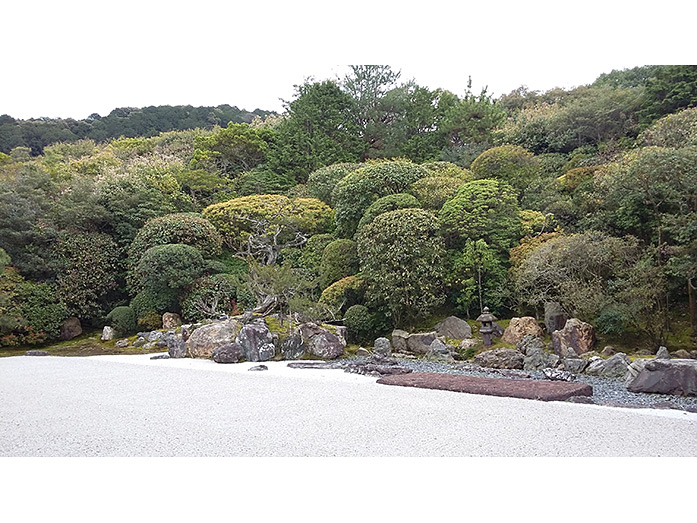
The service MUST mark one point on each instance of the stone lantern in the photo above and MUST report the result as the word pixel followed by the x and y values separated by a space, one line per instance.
pixel 487 328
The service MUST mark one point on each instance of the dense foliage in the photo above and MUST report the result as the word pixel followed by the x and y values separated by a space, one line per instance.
pixel 371 200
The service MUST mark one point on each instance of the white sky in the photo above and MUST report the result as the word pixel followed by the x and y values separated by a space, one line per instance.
pixel 71 58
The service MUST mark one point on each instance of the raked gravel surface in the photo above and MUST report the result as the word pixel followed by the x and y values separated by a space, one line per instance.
pixel 135 406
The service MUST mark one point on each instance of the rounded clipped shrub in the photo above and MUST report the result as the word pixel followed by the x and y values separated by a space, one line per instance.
pixel 311 255
pixel 434 191
pixel 388 203
pixel 339 260
pixel 236 218
pixel 172 266
pixel 342 294
pixel 322 182
pixel 209 297
pixel 447 170
pixel 354 193
pixel 123 320
pixel 4 259
pixel 359 322
pixel 186 228
pixel 510 163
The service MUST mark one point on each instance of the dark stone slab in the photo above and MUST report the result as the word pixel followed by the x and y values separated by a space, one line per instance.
pixel 527 389
pixel 36 353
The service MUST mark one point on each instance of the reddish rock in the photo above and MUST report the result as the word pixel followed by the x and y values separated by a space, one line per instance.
pixel 527 389
pixel 519 327
pixel 667 377
pixel 70 329
pixel 576 335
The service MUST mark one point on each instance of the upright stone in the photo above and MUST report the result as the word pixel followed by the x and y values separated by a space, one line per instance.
pixel 320 342
pixel 420 342
pixel 207 337
pixel 381 347
pixel 171 320
pixel 399 340
pixel 70 329
pixel 576 335
pixel 555 317
pixel 108 333
pixel 257 342
pixel 293 348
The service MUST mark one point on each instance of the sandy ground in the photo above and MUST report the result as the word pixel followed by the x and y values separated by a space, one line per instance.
pixel 135 406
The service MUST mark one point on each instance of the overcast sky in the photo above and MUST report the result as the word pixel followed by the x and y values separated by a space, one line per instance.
pixel 71 58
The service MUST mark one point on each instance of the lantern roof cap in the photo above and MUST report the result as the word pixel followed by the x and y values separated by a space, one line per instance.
pixel 486 316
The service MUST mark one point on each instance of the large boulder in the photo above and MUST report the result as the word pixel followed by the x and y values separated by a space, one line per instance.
pixel 529 342
pixel 555 317
pixel 635 369
pixel 500 359
pixel 576 335
pixel 420 342
pixel 256 342
pixel 667 377
pixel 439 352
pixel 70 329
pixel 454 327
pixel 575 365
pixel 614 367
pixel 207 337
pixel 320 342
pixel 293 347
pixel 519 327
pixel 230 353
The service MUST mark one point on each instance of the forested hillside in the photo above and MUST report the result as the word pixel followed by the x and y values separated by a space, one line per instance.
pixel 369 199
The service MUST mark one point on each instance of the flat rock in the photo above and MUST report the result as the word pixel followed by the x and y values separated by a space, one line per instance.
pixel 511 388
pixel 36 353
pixel 667 377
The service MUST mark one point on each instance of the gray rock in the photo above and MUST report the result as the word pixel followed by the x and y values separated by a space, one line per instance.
pixel 635 369
pixel 363 352
pixel 498 330
pixel 122 343
pixel 466 344
pixel 207 337
pixel 500 359
pixel 681 354
pixel 420 342
pixel 230 353
pixel 575 365
pixel 154 336
pixel 537 359
pixel 342 331
pixel 107 333
pixel 150 345
pixel 320 342
pixel 164 356
pixel 382 347
pixel 614 367
pixel 529 341
pixel 609 351
pixel 186 331
pixel 662 353
pixel 399 340
pixel 36 353
pixel 70 329
pixel 293 348
pixel 258 368
pixel 453 327
pixel 176 347
pixel 439 351
pixel 555 317
pixel 139 342
pixel 257 342
pixel 576 335
pixel 677 377
pixel 557 375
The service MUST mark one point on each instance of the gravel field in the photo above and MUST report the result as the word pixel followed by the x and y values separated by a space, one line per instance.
pixel 135 406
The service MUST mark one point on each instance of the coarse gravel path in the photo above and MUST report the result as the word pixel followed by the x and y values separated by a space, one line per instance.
pixel 135 406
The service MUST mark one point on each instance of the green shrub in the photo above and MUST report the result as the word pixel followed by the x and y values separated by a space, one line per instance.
pixel 388 203
pixel 322 182
pixel 339 260
pixel 150 321
pixel 4 259
pixel 354 193
pixel 172 266
pixel 342 294
pixel 148 302
pixel 312 251
pixel 186 228
pixel 123 320
pixel 447 170
pixel 434 191
pixel 359 322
